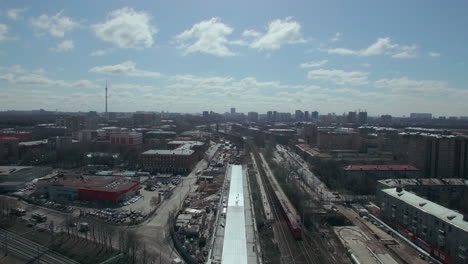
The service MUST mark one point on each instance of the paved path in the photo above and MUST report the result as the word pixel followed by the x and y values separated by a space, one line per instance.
pixel 155 231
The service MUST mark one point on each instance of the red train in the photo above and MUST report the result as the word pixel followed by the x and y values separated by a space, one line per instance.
pixel 287 209
pixel 292 217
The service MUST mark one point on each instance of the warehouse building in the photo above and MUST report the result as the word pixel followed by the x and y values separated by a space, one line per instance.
pixel 92 188
pixel 438 230
pixel 182 158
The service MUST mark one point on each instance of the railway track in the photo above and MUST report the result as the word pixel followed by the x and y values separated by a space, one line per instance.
pixel 297 251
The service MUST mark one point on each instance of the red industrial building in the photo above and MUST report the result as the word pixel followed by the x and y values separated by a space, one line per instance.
pixel 92 188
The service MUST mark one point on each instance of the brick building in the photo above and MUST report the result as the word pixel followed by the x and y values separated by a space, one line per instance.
pixel 339 140
pixel 9 150
pixel 126 138
pixel 180 158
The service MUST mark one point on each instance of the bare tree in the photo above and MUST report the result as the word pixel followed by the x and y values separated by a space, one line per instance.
pixel 154 201
pixel 110 235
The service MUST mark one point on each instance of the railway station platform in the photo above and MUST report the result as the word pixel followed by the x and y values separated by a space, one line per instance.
pixel 235 241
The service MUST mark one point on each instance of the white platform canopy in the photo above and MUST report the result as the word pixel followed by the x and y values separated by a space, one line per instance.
pixel 235 241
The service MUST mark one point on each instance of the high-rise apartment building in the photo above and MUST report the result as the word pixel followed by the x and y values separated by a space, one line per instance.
pixel 315 116
pixel 299 116
pixel 362 117
pixel 252 116
pixel 437 156
pixel 421 115
pixel 352 117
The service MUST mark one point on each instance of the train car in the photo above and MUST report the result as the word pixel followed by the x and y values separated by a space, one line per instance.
pixel 288 211
pixel 292 219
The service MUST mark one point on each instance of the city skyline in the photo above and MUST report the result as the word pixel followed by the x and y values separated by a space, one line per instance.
pixel 191 58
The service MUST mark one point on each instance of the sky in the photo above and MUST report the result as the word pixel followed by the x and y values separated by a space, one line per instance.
pixel 385 57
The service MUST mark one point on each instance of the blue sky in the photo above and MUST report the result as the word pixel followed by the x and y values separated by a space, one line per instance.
pixel 391 57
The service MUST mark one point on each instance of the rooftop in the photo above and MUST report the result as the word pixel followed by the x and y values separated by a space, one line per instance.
pixel 7 170
pixel 186 142
pixel 281 130
pixel 444 214
pixel 235 241
pixel 8 138
pixel 425 135
pixel 380 168
pixel 33 143
pixel 425 181
pixel 161 132
pixel 100 183
pixel 185 148
pixel 169 152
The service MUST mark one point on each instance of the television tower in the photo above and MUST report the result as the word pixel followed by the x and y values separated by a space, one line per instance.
pixel 106 97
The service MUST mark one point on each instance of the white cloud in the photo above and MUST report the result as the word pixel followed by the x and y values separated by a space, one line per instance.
pixel 63 46
pixel 418 87
pixel 15 13
pixel 208 36
pixel 56 25
pixel 126 28
pixel 250 33
pixel 9 77
pixel 125 68
pixel 383 46
pixel 434 54
pixel 342 51
pixel 367 65
pixel 100 52
pixel 313 64
pixel 279 32
pixel 3 31
pixel 406 52
pixel 336 37
pixel 39 78
pixel 339 77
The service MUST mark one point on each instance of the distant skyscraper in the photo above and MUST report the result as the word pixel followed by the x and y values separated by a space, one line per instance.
pixel 233 110
pixel 275 116
pixel 352 117
pixel 421 115
pixel 252 116
pixel 106 96
pixel 270 115
pixel 299 115
pixel 315 116
pixel 362 116
pixel 206 113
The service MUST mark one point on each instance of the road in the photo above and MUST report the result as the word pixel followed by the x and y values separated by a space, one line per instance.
pixel 28 249
pixel 155 231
